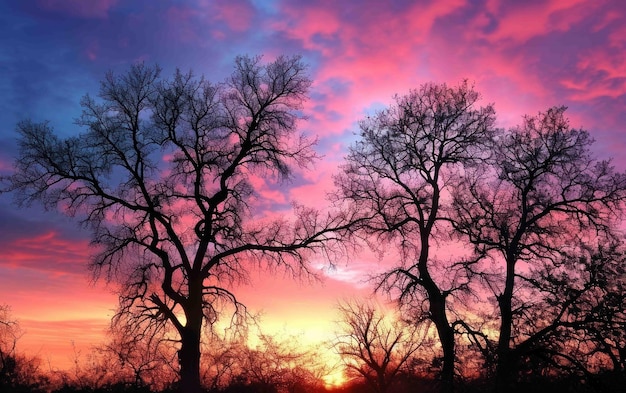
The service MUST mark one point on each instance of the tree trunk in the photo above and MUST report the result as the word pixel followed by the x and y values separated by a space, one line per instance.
pixel 189 354
pixel 504 372
pixel 504 365
pixel 437 305
pixel 189 359
pixel 446 337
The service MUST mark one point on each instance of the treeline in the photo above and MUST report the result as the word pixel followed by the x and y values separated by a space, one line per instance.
pixel 124 364
pixel 505 246
pixel 273 365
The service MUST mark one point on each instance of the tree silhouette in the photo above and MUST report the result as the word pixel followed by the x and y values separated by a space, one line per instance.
pixel 542 197
pixel 221 362
pixel 375 347
pixel 573 306
pixel 397 176
pixel 138 361
pixel 9 334
pixel 161 176
pixel 18 373
pixel 280 365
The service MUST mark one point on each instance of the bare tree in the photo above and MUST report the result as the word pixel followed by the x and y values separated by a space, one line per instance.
pixel 374 346
pixel 17 372
pixel 573 306
pixel 543 196
pixel 9 334
pixel 161 176
pixel 607 308
pixel 221 362
pixel 139 361
pixel 280 365
pixel 397 176
pixel 585 299
pixel 90 371
pixel 10 331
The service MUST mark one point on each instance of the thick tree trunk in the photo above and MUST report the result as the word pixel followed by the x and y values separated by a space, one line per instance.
pixel 504 371
pixel 437 308
pixel 446 337
pixel 189 359
pixel 189 354
pixel 504 365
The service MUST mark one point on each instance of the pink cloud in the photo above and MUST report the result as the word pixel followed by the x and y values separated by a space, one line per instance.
pixel 312 24
pixel 48 251
pixel 607 19
pixel 236 14
pixel 401 51
pixel 600 71
pixel 339 30
pixel 372 64
pixel 607 64
pixel 80 8
pixel 521 21
pixel 313 192
pixel 185 20
pixel 616 36
pixel 266 189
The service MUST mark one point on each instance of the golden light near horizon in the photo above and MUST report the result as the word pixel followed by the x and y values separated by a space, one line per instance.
pixel 336 379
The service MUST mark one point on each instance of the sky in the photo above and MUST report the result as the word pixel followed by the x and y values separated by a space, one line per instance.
pixel 522 56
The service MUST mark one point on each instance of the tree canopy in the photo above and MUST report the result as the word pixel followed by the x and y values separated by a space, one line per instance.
pixel 161 175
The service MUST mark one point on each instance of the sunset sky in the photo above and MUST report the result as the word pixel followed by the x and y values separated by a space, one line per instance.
pixel 523 56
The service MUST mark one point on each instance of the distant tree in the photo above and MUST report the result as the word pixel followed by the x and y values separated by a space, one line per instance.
pixel 90 371
pixel 376 347
pixel 397 176
pixel 138 360
pixel 541 197
pixel 18 373
pixel 273 364
pixel 162 174
pixel 276 365
pixel 221 362
pixel 9 333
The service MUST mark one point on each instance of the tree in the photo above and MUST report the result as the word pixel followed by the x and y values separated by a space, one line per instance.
pixel 398 174
pixel 374 346
pixel 542 196
pixel 18 373
pixel 573 306
pixel 9 334
pixel 140 361
pixel 273 364
pixel 222 360
pixel 161 176
pixel 276 365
